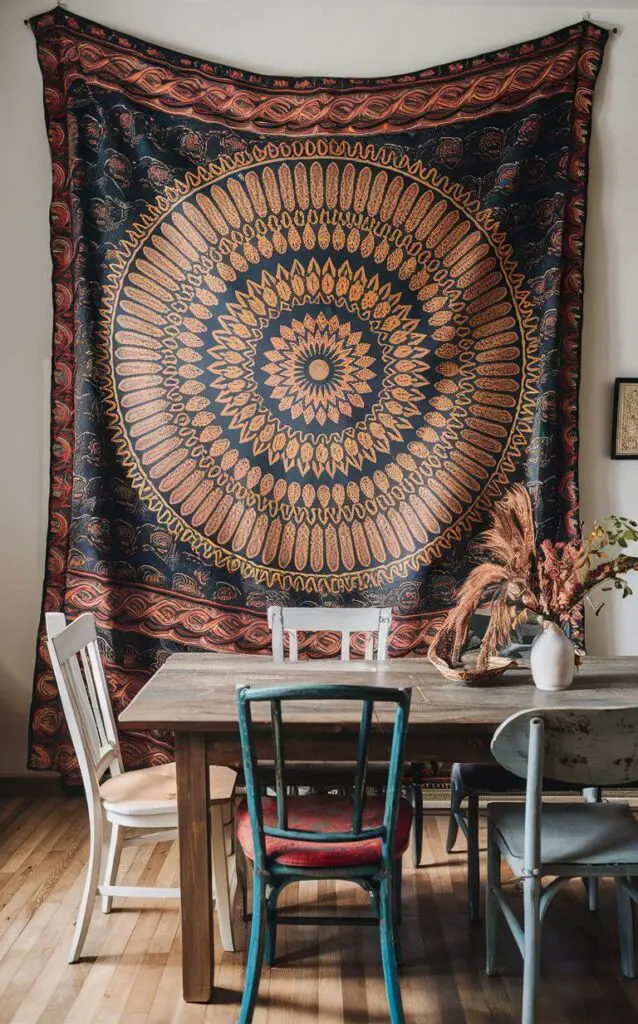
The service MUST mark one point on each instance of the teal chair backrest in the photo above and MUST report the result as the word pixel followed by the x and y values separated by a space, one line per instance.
pixel 367 696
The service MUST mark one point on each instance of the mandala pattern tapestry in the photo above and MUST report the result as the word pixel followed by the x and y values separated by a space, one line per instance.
pixel 307 331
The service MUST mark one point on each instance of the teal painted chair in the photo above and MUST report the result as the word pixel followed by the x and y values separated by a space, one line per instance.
pixel 287 839
pixel 584 748
pixel 375 622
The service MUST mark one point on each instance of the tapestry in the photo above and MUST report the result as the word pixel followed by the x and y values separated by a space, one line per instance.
pixel 307 331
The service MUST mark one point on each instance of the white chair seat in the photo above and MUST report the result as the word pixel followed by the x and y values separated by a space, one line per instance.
pixel 574 834
pixel 154 790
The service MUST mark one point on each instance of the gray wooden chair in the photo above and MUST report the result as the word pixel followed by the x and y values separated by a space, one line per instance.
pixel 584 748
pixel 468 783
pixel 346 621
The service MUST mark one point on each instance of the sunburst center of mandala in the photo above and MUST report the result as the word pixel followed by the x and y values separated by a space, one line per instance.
pixel 319 369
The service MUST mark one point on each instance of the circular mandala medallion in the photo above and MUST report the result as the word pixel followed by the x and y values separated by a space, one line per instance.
pixel 320 363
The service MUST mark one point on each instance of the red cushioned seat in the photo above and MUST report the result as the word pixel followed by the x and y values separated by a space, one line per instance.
pixel 324 814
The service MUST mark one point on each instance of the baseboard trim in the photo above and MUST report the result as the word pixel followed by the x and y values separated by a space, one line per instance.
pixel 438 801
pixel 30 785
pixel 46 784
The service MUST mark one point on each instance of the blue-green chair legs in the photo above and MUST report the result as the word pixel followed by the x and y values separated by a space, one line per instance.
pixel 263 940
pixel 255 952
pixel 388 936
pixel 270 950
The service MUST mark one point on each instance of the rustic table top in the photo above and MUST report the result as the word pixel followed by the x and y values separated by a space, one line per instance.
pixel 196 692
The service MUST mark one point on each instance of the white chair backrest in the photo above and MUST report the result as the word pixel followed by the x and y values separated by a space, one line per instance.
pixel 582 746
pixel 335 620
pixel 76 661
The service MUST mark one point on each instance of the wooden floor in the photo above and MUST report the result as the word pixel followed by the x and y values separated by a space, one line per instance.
pixel 131 969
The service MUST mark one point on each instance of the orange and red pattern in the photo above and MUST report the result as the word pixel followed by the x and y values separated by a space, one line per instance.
pixel 306 333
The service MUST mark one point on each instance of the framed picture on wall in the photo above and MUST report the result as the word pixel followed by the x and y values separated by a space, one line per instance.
pixel 624 441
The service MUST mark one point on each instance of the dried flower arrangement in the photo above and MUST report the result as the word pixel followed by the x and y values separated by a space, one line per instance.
pixel 524 582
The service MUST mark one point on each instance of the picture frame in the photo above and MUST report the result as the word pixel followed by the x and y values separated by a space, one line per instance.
pixel 624 436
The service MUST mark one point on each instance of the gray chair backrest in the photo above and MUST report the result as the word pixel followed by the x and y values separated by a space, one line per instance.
pixel 581 746
pixel 335 620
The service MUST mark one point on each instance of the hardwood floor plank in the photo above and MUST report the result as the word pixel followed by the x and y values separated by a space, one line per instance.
pixel 154 956
pixel 10 809
pixel 307 940
pixel 33 968
pixel 169 989
pixel 329 990
pixel 25 833
pixel 36 903
pixel 350 963
pixel 274 989
pixel 121 924
pixel 325 975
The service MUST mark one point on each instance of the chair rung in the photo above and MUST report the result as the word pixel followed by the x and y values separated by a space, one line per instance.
pixel 461 821
pixel 334 919
pixel 139 892
pixel 514 924
pixel 148 838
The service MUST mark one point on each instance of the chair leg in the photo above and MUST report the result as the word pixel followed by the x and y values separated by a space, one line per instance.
pixel 91 883
pixel 112 864
pixel 592 795
pixel 221 882
pixel 230 825
pixel 397 889
pixel 473 859
pixel 388 952
pixel 456 799
pixel 241 869
pixel 270 948
pixel 591 885
pixel 491 903
pixel 626 928
pixel 417 824
pixel 397 892
pixel 255 952
pixel 532 946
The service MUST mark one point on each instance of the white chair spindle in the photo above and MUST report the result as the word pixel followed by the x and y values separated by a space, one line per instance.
pixel 375 622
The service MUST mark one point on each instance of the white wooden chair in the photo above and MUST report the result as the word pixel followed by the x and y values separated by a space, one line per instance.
pixel 346 621
pixel 335 620
pixel 144 800
pixel 584 748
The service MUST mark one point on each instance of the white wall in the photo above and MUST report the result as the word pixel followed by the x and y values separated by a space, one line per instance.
pixel 338 37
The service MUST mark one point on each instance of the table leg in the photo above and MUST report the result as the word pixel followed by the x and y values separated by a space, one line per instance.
pixel 193 809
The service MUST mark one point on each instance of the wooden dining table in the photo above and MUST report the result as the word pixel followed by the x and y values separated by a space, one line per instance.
pixel 194 696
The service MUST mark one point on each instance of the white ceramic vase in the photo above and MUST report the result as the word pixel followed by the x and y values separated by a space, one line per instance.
pixel 552 659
